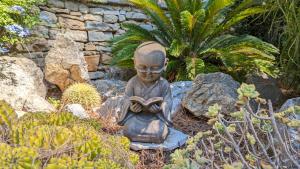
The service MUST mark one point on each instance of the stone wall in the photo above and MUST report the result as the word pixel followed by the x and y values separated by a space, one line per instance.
pixel 91 25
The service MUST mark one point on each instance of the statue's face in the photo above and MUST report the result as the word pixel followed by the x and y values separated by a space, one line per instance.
pixel 150 66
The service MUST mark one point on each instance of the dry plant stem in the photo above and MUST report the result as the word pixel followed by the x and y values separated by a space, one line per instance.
pixel 271 140
pixel 271 114
pixel 233 143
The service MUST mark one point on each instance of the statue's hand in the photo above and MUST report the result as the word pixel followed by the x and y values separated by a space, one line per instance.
pixel 154 108
pixel 135 107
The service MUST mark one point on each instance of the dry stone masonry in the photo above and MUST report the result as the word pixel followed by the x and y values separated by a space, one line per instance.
pixel 90 25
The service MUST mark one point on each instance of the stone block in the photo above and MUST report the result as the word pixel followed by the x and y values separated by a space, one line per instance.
pixel 103 48
pixel 56 3
pixel 110 18
pixel 111 12
pixel 73 6
pixel 41 31
pixel 53 33
pixel 83 8
pixel 146 26
pixel 34 55
pixel 136 16
pixel 77 35
pixel 80 45
pixel 90 17
pixel 99 36
pixel 89 46
pixel 79 18
pixel 122 18
pixel 122 12
pixel 114 27
pixel 48 18
pixel 92 62
pixel 75 13
pixel 98 11
pixel 105 58
pixel 96 75
pixel 88 53
pixel 95 25
pixel 71 24
pixel 59 10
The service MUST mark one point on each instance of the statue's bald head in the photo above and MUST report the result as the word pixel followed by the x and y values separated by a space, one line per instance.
pixel 150 52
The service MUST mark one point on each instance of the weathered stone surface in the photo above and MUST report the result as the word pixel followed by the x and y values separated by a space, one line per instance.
pixel 114 27
pixel 113 72
pixel 136 16
pixel 109 88
pixel 88 53
pixel 92 62
pixel 37 45
pixel 90 17
pixel 103 48
pixel 266 86
pixel 146 26
pixel 71 24
pixel 48 18
pixel 98 11
pixel 178 90
pixel 41 31
pixel 174 140
pixel 110 18
pixel 79 18
pixel 208 89
pixel 99 36
pixel 96 75
pixel 105 58
pixel 83 8
pixel 77 35
pixel 56 3
pixel 74 6
pixel 61 11
pixel 77 110
pixel 90 46
pixel 122 18
pixel 22 86
pixel 96 25
pixel 65 64
pixel 294 132
pixel 53 33
pixel 75 13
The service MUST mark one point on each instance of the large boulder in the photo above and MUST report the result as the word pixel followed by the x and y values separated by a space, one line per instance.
pixel 208 89
pixel 110 88
pixel 65 63
pixel 22 86
pixel 178 90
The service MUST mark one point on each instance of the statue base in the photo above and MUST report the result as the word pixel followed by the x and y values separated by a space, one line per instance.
pixel 174 140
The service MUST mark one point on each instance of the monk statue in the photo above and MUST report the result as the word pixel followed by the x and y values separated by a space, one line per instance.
pixel 148 117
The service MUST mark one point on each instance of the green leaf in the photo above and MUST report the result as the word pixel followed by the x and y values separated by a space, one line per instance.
pixel 176 48
pixel 194 66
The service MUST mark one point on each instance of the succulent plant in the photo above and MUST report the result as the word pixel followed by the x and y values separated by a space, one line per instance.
pixel 82 93
pixel 7 114
pixel 18 157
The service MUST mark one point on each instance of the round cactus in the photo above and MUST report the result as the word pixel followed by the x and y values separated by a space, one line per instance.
pixel 82 93
pixel 7 114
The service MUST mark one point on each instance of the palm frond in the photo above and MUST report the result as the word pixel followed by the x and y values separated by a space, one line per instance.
pixel 194 66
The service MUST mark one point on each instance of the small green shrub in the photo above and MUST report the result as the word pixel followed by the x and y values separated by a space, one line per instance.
pixel 61 140
pixel 245 139
pixel 82 93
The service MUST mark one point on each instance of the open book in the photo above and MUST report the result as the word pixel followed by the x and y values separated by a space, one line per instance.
pixel 147 103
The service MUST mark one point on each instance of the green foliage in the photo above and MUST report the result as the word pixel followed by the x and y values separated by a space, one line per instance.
pixel 61 140
pixel 246 139
pixel 193 32
pixel 82 93
pixel 16 18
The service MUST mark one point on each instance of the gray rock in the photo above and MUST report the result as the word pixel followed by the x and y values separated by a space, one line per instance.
pixel 77 110
pixel 118 2
pixel 110 18
pixel 103 48
pixel 136 16
pixel 72 5
pixel 99 11
pixel 99 36
pixel 122 18
pixel 90 17
pixel 294 132
pixel 76 35
pixel 266 86
pixel 83 8
pixel 22 85
pixel 48 18
pixel 61 11
pixel 96 25
pixel 174 140
pixel 53 33
pixel 208 89
pixel 96 75
pixel 41 31
pixel 56 3
pixel 178 90
pixel 109 88
pixel 146 26
pixel 115 26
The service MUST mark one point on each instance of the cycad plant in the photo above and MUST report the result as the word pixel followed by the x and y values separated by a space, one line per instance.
pixel 196 35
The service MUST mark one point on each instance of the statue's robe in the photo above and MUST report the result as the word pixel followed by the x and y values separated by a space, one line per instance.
pixel 146 126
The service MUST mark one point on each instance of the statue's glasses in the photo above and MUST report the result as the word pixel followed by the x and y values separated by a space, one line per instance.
pixel 144 69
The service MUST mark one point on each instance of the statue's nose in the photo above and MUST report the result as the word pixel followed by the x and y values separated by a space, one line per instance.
pixel 148 71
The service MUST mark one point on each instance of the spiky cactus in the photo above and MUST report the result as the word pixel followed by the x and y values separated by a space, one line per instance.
pixel 7 114
pixel 82 93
